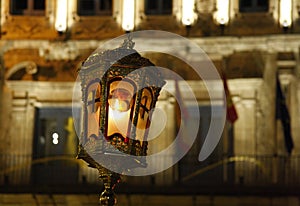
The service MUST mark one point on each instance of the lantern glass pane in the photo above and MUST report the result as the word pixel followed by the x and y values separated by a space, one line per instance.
pixel 143 122
pixel 93 109
pixel 120 102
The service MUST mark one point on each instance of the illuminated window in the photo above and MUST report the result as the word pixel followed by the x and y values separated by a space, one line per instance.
pixel 27 7
pixel 254 5
pixel 158 7
pixel 94 7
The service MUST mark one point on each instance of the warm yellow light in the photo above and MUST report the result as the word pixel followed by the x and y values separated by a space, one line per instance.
pixel 120 99
pixel 119 105
pixel 222 14
pixel 285 13
pixel 118 121
pixel 128 15
pixel 61 15
pixel 120 102
pixel 188 15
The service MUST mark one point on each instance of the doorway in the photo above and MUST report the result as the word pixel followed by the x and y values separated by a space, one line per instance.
pixel 54 147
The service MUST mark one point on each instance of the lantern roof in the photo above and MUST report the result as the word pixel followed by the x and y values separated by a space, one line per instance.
pixel 122 60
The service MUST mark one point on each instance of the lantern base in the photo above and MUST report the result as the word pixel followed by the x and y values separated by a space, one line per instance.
pixel 109 178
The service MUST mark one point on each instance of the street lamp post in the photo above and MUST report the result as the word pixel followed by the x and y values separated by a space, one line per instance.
pixel 119 91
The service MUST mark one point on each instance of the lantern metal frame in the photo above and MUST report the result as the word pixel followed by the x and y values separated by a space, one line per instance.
pixel 122 63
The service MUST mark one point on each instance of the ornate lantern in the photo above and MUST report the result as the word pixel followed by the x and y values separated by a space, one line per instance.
pixel 118 97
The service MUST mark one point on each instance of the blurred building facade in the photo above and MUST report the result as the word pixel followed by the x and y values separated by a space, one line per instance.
pixel 43 43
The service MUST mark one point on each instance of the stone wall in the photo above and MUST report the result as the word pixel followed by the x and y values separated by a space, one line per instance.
pixel 103 27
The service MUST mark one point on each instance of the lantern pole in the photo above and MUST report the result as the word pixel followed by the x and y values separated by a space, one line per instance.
pixel 109 178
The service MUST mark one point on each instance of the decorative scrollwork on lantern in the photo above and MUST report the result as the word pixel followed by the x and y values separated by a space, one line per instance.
pixel 118 96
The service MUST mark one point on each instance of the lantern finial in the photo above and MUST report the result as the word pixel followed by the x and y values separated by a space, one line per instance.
pixel 128 43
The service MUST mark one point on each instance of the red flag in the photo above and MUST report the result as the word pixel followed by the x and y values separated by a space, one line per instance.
pixel 232 115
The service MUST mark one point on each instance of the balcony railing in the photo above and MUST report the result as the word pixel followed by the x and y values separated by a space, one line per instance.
pixel 247 170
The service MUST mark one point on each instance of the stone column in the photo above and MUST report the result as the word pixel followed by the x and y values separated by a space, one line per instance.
pixel 267 143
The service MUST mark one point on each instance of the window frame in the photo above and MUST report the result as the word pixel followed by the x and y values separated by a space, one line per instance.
pixel 108 11
pixel 29 11
pixel 254 7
